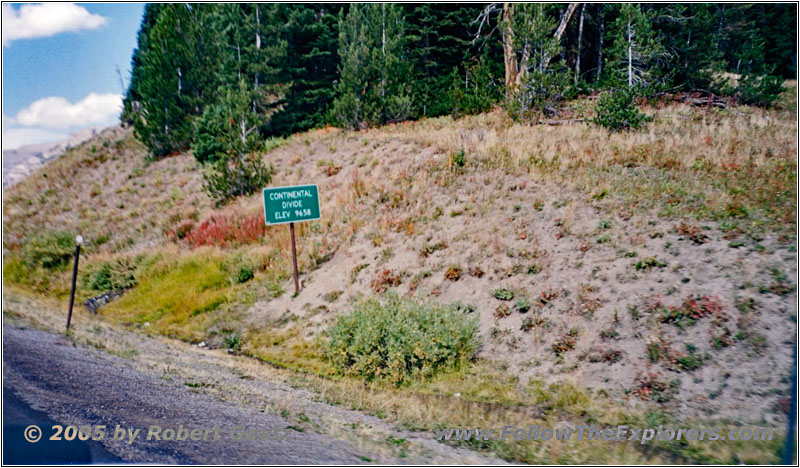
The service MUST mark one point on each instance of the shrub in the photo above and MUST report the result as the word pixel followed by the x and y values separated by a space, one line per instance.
pixel 694 308
pixel 244 274
pixel 429 249
pixel 457 160
pixel 652 387
pixel 385 280
pixel 233 341
pixel 503 294
pixel 690 360
pixel 759 90
pixel 502 311
pixel 529 323
pixel 182 229
pixel 112 275
pixel 475 91
pixel 401 339
pixel 453 273
pixel 616 111
pixel 648 263
pixel 462 308
pixel 565 343
pixel 476 271
pixel 538 94
pixel 50 250
pixel 226 228
pixel 523 305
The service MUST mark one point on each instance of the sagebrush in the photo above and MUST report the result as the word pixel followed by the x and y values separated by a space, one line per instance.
pixel 401 339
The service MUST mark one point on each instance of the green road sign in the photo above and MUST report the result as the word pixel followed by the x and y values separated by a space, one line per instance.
pixel 291 204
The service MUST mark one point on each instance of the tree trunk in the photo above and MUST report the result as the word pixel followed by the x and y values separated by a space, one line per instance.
pixel 630 55
pixel 258 47
pixel 580 39
pixel 565 20
pixel 560 31
pixel 601 21
pixel 512 68
pixel 509 59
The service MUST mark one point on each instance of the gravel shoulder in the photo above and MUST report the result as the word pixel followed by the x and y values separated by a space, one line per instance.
pixel 97 375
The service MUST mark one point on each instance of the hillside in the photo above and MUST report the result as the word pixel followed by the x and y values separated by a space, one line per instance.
pixel 645 277
pixel 19 162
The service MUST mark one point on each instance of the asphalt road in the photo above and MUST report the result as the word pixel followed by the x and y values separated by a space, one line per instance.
pixel 49 380
pixel 19 415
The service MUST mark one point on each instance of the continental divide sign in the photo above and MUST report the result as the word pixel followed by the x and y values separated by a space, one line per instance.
pixel 291 204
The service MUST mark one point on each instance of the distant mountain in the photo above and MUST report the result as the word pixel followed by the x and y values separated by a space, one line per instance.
pixel 20 162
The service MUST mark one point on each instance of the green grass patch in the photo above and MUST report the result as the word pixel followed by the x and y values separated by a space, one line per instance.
pixel 175 295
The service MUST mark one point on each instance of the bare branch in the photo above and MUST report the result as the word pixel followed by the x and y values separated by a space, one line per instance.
pixel 565 20
pixel 484 18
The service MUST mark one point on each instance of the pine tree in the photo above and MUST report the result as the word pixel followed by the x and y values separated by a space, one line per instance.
pixel 636 51
pixel 440 43
pixel 687 34
pixel 311 33
pixel 780 31
pixel 229 128
pixel 538 84
pixel 133 99
pixel 372 88
pixel 252 47
pixel 178 76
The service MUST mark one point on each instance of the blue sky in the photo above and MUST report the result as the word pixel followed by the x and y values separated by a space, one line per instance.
pixel 59 67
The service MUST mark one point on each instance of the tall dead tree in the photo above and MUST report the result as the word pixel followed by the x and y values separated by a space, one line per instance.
pixel 580 39
pixel 516 66
pixel 509 57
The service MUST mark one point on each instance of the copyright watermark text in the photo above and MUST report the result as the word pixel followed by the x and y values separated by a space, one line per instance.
pixel 153 433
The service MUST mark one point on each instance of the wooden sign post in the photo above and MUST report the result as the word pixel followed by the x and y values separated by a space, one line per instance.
pixel 290 205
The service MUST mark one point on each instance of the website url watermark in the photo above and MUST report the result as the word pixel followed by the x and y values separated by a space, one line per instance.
pixel 618 433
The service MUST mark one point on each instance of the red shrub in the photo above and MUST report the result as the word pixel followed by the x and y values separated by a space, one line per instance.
pixel 699 307
pixel 229 228
pixel 385 280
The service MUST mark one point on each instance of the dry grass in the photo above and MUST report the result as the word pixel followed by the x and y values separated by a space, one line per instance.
pixel 106 190
pixel 709 164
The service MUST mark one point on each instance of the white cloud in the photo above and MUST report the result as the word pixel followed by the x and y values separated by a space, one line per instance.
pixel 58 113
pixel 46 19
pixel 15 137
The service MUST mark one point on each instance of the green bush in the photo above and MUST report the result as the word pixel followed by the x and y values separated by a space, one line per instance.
pixel 759 90
pixel 538 95
pixel 112 275
pixel 244 274
pixel 400 339
pixel 233 341
pixel 616 110
pixel 473 90
pixel 503 294
pixel 51 250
